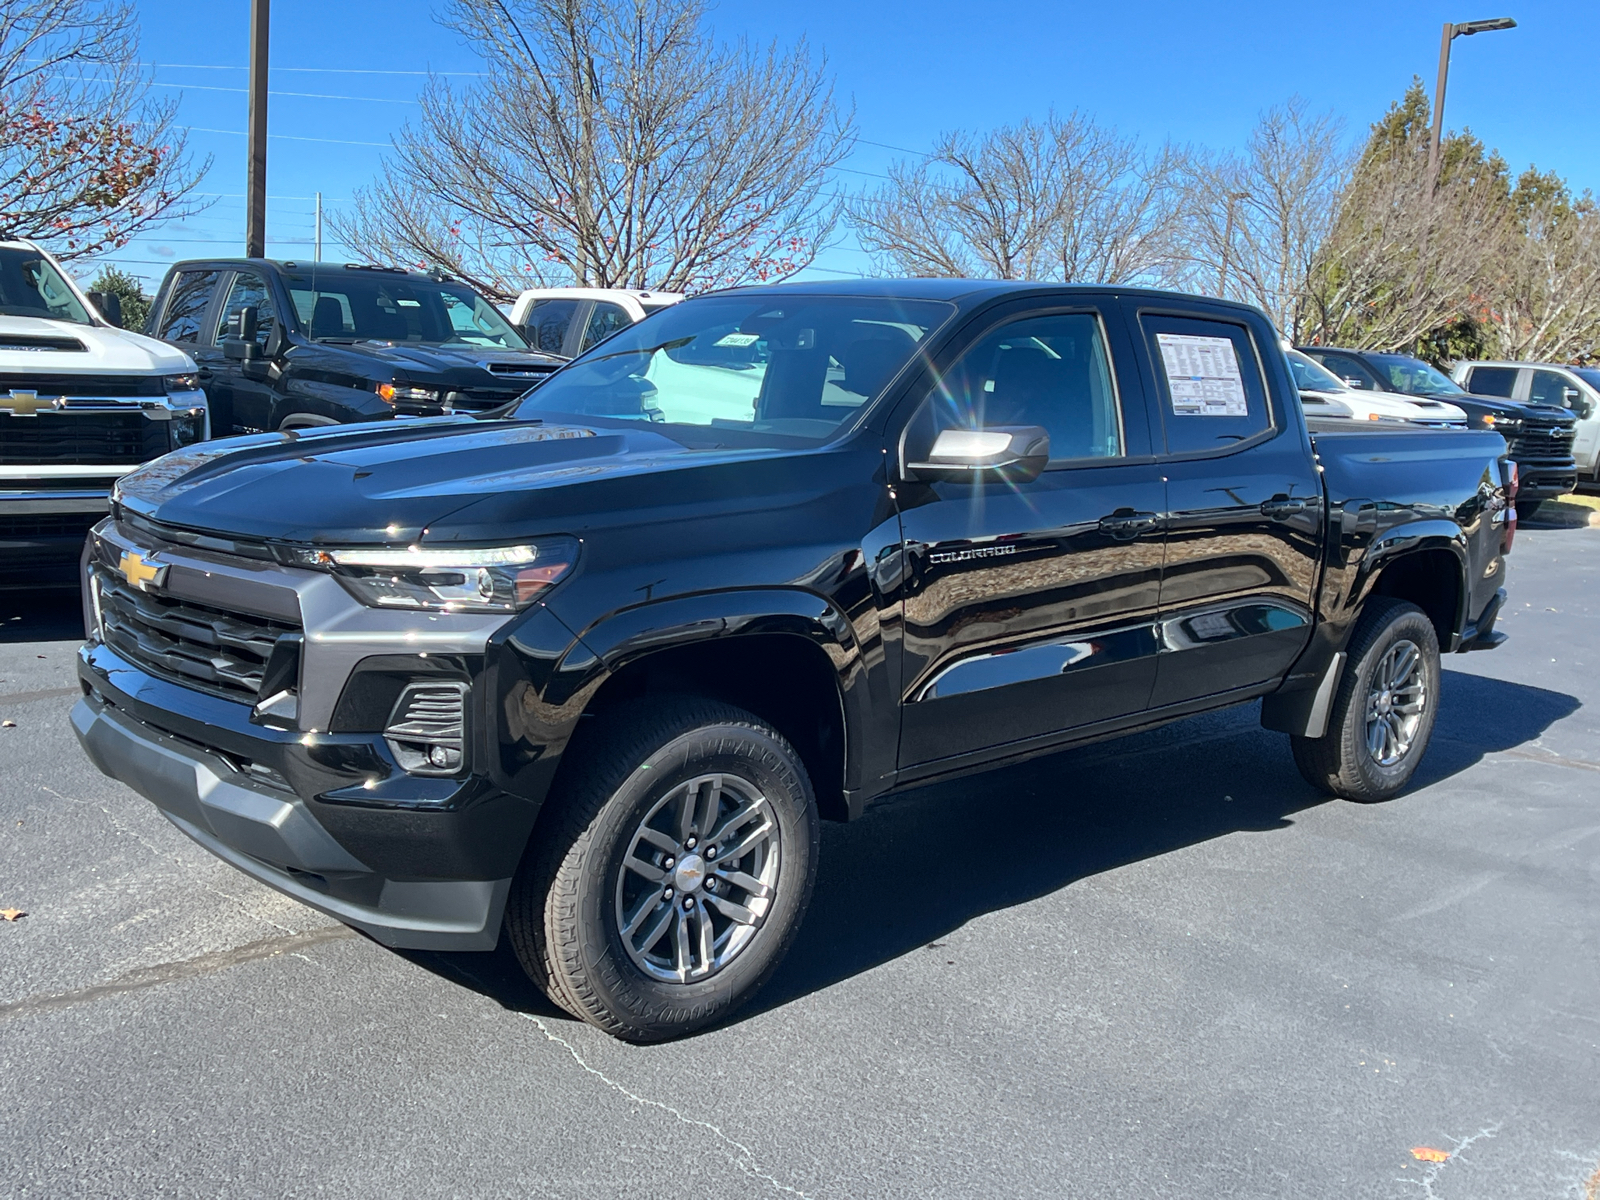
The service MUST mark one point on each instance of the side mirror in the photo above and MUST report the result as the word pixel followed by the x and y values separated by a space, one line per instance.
pixel 1013 452
pixel 240 344
pixel 110 306
pixel 1574 399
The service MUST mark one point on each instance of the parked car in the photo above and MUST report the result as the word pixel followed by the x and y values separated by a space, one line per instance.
pixel 81 402
pixel 593 675
pixel 569 320
pixel 294 345
pixel 1320 389
pixel 1576 389
pixel 1540 436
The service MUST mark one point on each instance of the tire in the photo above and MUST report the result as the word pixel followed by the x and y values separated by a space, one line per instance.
pixel 599 866
pixel 1343 762
pixel 1528 509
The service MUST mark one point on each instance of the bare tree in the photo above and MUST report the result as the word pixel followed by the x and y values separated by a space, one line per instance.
pixel 1065 199
pixel 1408 255
pixel 86 159
pixel 1547 299
pixel 613 143
pixel 1255 220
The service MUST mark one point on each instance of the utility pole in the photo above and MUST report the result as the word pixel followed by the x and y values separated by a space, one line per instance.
pixel 318 255
pixel 1451 32
pixel 255 219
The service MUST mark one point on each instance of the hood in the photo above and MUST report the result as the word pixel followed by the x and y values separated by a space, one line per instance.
pixel 411 361
pixel 45 346
pixel 401 482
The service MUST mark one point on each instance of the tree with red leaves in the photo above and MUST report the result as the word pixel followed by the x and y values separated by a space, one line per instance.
pixel 86 159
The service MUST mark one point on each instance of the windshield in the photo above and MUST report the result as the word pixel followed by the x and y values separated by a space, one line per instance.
pixel 30 286
pixel 1312 376
pixel 1590 375
pixel 343 304
pixel 795 366
pixel 1415 376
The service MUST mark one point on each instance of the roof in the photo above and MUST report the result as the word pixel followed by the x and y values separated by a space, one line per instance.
pixel 962 289
pixel 294 264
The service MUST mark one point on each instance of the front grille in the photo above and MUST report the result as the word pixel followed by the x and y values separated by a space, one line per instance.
pixel 65 438
pixel 83 385
pixel 1542 441
pixel 20 526
pixel 224 653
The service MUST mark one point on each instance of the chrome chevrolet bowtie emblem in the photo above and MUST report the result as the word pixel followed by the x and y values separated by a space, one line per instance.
pixel 140 573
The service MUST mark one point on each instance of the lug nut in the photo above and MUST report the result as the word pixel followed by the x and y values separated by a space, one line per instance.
pixel 711 853
pixel 711 885
pixel 667 895
pixel 688 902
pixel 689 844
pixel 668 862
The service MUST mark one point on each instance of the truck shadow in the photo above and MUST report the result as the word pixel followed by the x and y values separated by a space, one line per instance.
pixel 922 863
pixel 47 614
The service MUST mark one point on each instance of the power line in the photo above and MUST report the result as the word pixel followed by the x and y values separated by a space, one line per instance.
pixel 319 70
pixel 287 137
pixel 208 87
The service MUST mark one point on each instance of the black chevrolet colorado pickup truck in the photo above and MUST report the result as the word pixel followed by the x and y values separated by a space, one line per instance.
pixel 294 345
pixel 590 668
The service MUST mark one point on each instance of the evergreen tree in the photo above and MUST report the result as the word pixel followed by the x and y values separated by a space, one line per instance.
pixel 135 304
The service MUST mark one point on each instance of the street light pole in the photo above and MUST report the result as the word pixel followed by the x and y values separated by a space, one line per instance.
pixel 255 220
pixel 1451 32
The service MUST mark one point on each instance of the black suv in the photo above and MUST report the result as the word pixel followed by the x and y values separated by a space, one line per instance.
pixel 1539 436
pixel 287 345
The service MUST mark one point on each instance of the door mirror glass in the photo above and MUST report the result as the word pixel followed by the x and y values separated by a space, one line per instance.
pixel 1013 452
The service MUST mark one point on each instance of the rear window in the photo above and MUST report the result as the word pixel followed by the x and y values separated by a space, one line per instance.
pixel 1492 381
pixel 1212 394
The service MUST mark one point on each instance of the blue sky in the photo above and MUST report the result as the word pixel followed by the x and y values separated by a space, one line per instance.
pixel 1189 72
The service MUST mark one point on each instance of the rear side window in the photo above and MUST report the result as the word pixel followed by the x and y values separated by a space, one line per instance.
pixel 186 306
pixel 1492 381
pixel 605 320
pixel 546 324
pixel 1212 395
pixel 1353 371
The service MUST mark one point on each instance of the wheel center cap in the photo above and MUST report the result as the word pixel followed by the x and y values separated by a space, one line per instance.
pixel 689 873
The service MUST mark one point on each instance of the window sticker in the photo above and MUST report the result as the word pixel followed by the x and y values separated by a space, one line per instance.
pixel 1203 376
pixel 738 339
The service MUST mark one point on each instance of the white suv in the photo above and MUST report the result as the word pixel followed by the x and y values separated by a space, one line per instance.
pixel 568 320
pixel 1574 388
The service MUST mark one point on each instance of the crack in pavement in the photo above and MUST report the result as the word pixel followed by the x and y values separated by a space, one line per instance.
pixel 189 968
pixel 745 1160
pixel 1425 1183
pixel 45 694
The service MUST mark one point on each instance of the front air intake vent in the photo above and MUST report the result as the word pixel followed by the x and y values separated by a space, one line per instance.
pixel 28 341
pixel 427 729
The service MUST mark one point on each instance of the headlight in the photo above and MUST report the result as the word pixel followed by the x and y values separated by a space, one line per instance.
pixel 187 427
pixel 390 392
pixel 492 579
pixel 1502 424
pixel 182 383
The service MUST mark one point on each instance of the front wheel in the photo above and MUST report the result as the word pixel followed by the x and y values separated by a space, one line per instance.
pixel 671 878
pixel 1384 710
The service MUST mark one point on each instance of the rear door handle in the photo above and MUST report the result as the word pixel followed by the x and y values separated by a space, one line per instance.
pixel 1127 524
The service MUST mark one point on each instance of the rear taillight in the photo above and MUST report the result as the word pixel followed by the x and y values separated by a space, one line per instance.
pixel 1513 482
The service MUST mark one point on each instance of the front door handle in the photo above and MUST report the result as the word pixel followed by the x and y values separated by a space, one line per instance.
pixel 1125 524
pixel 204 373
pixel 1280 507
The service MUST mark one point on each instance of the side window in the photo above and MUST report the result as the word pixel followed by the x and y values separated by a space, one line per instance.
pixel 1353 371
pixel 1048 371
pixel 1212 395
pixel 546 324
pixel 605 320
pixel 186 306
pixel 248 290
pixel 1492 381
pixel 1549 387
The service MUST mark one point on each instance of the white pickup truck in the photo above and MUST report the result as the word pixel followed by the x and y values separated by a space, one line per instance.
pixel 82 403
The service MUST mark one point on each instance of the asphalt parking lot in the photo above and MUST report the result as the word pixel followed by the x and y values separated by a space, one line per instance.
pixel 1157 967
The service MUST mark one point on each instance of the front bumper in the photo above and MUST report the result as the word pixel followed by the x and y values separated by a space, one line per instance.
pixel 1544 479
pixel 43 523
pixel 273 835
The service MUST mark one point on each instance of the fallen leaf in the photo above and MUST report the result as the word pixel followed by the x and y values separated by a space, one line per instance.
pixel 11 914
pixel 8 724
pixel 1429 1154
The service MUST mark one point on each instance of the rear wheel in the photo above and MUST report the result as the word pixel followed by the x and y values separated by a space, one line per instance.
pixel 669 882
pixel 1384 710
